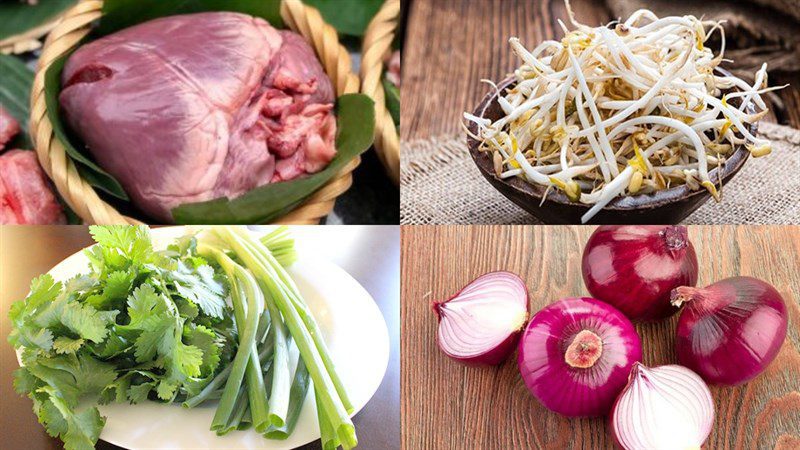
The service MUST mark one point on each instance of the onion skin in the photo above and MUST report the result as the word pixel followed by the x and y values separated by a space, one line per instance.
pixel 634 268
pixel 494 353
pixel 562 387
pixel 673 398
pixel 730 331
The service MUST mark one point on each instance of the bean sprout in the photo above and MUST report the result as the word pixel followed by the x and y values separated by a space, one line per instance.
pixel 631 108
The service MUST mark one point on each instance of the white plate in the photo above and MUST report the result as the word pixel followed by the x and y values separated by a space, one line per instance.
pixel 351 323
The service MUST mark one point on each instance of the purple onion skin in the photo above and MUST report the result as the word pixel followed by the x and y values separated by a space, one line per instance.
pixel 634 268
pixel 567 390
pixel 753 319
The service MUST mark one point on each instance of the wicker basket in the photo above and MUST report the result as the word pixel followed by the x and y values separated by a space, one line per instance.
pixel 83 199
pixel 377 45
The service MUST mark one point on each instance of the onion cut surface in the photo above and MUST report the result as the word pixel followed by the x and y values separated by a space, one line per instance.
pixel 663 408
pixel 481 323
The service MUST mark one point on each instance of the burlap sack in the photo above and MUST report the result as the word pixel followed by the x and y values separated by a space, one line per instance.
pixel 441 185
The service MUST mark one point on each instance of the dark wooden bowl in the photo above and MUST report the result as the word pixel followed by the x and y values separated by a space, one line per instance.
pixel 669 206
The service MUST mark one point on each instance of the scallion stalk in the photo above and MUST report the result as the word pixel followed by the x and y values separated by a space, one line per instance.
pixel 280 293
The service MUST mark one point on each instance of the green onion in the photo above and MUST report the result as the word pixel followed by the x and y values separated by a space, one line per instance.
pixel 293 316
pixel 247 288
pixel 327 436
pixel 297 397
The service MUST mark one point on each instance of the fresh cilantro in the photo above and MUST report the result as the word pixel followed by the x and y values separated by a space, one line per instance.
pixel 139 322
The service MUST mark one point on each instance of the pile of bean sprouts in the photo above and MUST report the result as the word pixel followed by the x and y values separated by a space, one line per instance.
pixel 630 108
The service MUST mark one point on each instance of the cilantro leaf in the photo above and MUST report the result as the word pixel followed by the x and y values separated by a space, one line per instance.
pixel 206 340
pixel 139 392
pixel 201 287
pixel 64 345
pixel 78 430
pixel 86 321
pixel 144 305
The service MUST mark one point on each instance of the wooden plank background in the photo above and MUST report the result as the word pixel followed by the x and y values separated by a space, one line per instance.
pixel 446 405
pixel 451 45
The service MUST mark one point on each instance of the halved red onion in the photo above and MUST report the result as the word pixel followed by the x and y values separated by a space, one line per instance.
pixel 634 267
pixel 730 331
pixel 481 323
pixel 576 354
pixel 666 407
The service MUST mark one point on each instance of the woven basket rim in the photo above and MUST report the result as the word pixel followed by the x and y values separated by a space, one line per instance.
pixel 29 39
pixel 378 39
pixel 84 200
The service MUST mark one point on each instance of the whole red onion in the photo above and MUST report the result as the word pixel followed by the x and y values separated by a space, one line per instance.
pixel 730 331
pixel 635 267
pixel 576 354
pixel 481 323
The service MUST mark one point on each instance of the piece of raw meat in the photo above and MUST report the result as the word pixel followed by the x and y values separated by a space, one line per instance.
pixel 25 195
pixel 393 69
pixel 194 107
pixel 9 127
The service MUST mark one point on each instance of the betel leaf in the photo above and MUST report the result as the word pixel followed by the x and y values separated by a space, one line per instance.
pixel 392 100
pixel 15 92
pixel 19 17
pixel 350 17
pixel 355 121
pixel 119 14
pixel 87 168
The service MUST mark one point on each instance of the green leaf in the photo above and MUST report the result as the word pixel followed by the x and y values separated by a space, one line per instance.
pixel 82 428
pixel 355 115
pixel 201 288
pixel 349 17
pixel 86 321
pixel 138 393
pixel 132 241
pixel 144 305
pixel 16 80
pixel 116 391
pixel 204 339
pixel 89 375
pixel 88 169
pixel 188 359
pixel 19 17
pixel 24 381
pixel 392 100
pixel 119 14
pixel 65 345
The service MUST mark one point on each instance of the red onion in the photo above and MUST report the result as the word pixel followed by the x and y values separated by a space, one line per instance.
pixel 634 268
pixel 730 331
pixel 664 407
pixel 481 323
pixel 576 354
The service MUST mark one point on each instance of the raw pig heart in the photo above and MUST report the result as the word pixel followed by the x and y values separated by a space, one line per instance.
pixel 189 108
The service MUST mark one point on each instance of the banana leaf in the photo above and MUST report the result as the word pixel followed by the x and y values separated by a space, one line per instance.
pixel 20 17
pixel 392 100
pixel 349 17
pixel 355 121
pixel 354 114
pixel 119 14
pixel 15 92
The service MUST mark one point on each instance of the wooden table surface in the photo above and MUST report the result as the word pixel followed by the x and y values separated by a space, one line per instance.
pixel 370 254
pixel 451 45
pixel 447 405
